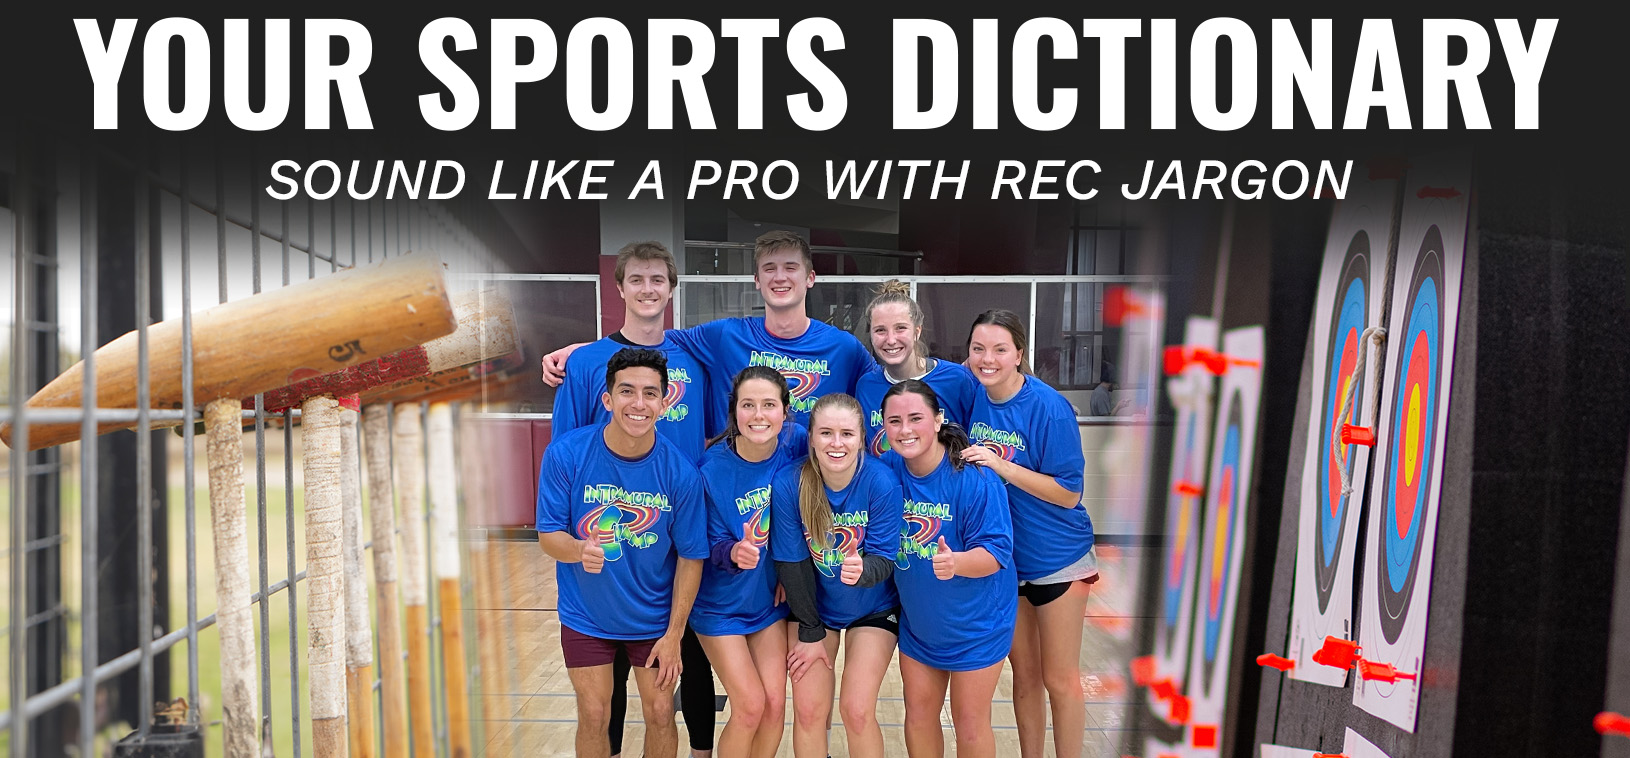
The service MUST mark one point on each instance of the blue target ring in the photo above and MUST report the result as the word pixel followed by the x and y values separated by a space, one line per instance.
pixel 1215 594
pixel 1405 503
pixel 1343 350
pixel 1180 536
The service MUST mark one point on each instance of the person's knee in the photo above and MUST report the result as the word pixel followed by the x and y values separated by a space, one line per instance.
pixel 659 714
pixel 973 735
pixel 971 716
pixel 593 713
pixel 748 711
pixel 858 713
pixel 811 711
pixel 923 714
pixel 775 706
pixel 1062 682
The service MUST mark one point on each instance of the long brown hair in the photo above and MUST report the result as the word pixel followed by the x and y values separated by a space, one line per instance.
pixel 813 505
pixel 1010 321
pixel 896 291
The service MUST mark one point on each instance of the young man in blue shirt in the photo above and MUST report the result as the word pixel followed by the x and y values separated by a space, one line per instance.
pixel 622 511
pixel 646 276
pixel 817 359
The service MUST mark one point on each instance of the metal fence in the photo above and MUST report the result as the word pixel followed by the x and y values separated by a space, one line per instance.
pixel 121 221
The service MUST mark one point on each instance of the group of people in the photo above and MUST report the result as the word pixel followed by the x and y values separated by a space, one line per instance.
pixel 754 496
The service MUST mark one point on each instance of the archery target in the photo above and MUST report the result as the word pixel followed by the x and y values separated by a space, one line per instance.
pixel 1351 285
pixel 1179 556
pixel 1227 520
pixel 1409 453
pixel 1215 592
pixel 1414 424
pixel 1340 383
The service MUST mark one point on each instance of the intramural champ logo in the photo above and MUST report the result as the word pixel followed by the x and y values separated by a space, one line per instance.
pixel 678 381
pixel 803 376
pixel 1006 443
pixel 754 505
pixel 920 531
pixel 623 518
pixel 847 535
pixel 880 441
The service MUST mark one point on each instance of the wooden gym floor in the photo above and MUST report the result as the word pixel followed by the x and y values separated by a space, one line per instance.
pixel 528 708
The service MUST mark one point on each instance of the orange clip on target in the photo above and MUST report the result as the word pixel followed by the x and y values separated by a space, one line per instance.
pixel 1180 709
pixel 1269 660
pixel 1143 670
pixel 1608 722
pixel 1337 652
pixel 1373 671
pixel 1357 435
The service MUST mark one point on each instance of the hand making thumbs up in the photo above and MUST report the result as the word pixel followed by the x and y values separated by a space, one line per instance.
pixel 944 560
pixel 592 556
pixel 745 553
pixel 852 566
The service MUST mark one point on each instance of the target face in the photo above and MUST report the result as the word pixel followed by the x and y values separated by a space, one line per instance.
pixel 1414 430
pixel 1180 535
pixel 1214 588
pixel 1347 325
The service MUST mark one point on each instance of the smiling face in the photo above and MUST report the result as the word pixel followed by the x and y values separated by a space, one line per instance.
pixel 783 278
pixel 994 358
pixel 893 334
pixel 759 411
pixel 646 288
pixel 912 427
pixel 835 439
pixel 635 400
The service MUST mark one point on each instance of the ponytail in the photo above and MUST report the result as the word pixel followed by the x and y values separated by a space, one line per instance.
pixel 955 439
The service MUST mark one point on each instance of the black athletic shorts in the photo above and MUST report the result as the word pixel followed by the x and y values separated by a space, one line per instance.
pixel 1042 594
pixel 888 621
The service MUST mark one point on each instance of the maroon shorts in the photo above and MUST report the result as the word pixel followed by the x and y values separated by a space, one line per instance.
pixel 582 651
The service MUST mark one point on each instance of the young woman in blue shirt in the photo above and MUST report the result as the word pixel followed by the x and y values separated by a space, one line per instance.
pixel 954 573
pixel 736 616
pixel 835 533
pixel 893 330
pixel 1025 431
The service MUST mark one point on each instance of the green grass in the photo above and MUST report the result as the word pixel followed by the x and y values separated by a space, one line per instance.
pixel 209 653
pixel 209 661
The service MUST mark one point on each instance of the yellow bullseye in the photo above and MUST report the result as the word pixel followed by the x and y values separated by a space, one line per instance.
pixel 1412 436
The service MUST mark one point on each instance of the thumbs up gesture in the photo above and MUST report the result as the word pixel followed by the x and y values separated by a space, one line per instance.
pixel 852 566
pixel 592 556
pixel 745 553
pixel 944 560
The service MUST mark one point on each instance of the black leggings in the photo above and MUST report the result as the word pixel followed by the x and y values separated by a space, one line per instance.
pixel 695 694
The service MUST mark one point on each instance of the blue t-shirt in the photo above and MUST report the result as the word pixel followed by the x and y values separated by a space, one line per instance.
pixel 645 513
pixel 824 360
pixel 866 514
pixel 738 493
pixel 953 383
pixel 956 624
pixel 1036 429
pixel 577 401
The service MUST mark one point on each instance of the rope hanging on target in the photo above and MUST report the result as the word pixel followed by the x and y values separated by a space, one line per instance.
pixel 1378 335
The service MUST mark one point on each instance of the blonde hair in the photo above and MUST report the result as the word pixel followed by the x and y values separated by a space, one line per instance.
pixel 813 505
pixel 780 239
pixel 891 292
